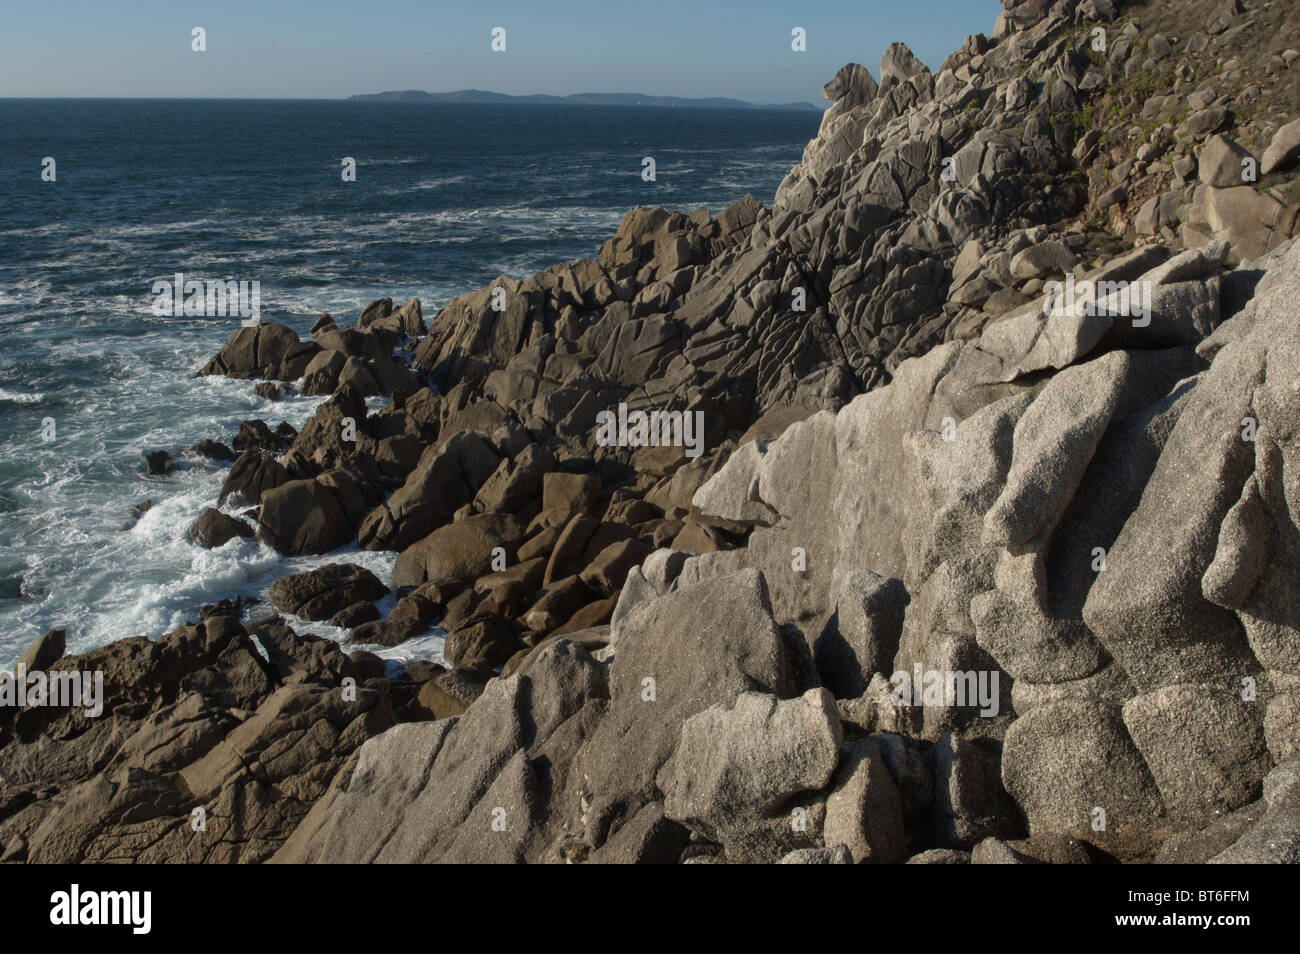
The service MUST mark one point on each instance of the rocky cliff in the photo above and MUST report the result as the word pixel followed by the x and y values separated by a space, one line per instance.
pixel 999 394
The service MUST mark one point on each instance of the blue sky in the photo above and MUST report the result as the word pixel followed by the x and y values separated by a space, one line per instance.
pixel 333 48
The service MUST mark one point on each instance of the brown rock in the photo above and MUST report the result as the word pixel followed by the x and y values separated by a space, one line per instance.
pixel 540 543
pixel 606 573
pixel 459 551
pixel 591 615
pixel 483 642
pixel 697 539
pixel 354 615
pixel 44 651
pixel 445 479
pixel 253 351
pixel 251 476
pixel 505 592
pixel 558 602
pixel 575 492
pixel 387 632
pixel 449 693
pixel 303 517
pixel 214 528
pixel 330 589
pixel 566 556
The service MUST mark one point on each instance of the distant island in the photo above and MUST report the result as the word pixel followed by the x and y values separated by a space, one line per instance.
pixel 582 99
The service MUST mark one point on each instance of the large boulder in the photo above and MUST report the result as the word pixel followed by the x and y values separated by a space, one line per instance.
pixel 251 476
pixel 1221 163
pixel 254 351
pixel 446 478
pixel 737 767
pixel 898 63
pixel 463 789
pixel 214 528
pixel 1147 608
pixel 663 674
pixel 461 551
pixel 44 651
pixel 864 811
pixel 861 638
pixel 1063 761
pixel 319 594
pixel 1283 151
pixel 309 516
pixel 1204 746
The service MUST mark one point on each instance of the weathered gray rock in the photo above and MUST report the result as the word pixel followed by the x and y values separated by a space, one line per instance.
pixel 1283 151
pixel 1252 221
pixel 663 673
pixel 941 856
pixel 1064 760
pixel 852 86
pixel 462 789
pixel 1045 260
pixel 969 802
pixel 1220 163
pixel 1275 838
pixel 897 63
pixel 994 851
pixel 738 766
pixel 1204 746
pixel 864 811
pixel 1147 608
pixel 1198 847
pixel 1054 442
pixel 862 636
pixel 649 837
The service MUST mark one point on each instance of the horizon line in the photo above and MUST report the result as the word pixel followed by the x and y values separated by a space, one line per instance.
pixel 365 97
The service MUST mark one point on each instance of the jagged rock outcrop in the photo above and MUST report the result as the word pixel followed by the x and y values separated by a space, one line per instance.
pixel 202 749
pixel 1119 748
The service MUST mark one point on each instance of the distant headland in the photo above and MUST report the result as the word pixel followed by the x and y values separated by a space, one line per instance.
pixel 581 99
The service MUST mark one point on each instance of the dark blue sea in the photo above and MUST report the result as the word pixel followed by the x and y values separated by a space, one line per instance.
pixel 446 198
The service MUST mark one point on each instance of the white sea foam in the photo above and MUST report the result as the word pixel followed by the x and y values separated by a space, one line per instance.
pixel 391 160
pixel 436 183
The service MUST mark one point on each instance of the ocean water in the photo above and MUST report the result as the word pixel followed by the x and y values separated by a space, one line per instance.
pixel 446 198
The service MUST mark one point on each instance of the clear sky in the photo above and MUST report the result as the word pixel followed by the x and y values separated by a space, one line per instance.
pixel 333 48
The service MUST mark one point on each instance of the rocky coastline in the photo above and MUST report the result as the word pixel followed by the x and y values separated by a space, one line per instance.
pixel 1004 387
